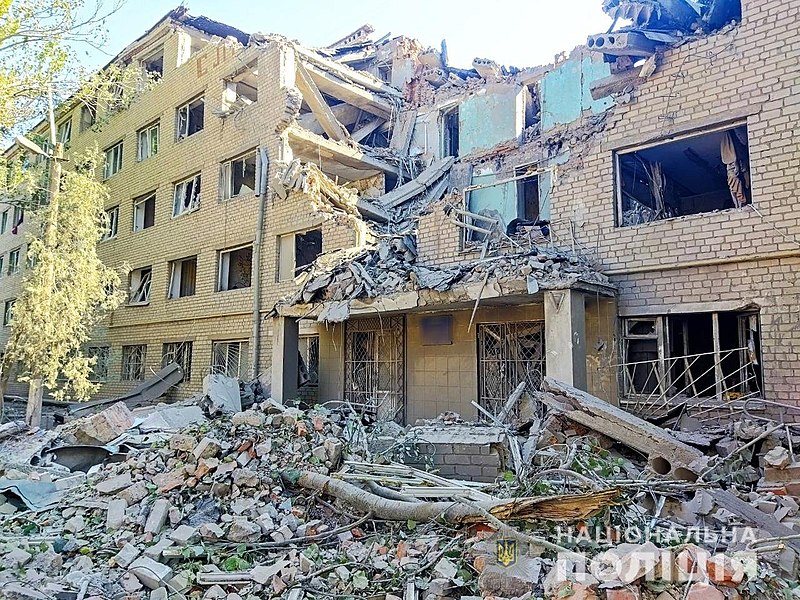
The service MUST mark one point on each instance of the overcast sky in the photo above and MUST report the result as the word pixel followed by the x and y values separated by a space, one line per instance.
pixel 521 33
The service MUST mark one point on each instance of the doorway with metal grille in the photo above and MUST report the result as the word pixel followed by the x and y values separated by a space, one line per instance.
pixel 508 353
pixel 374 366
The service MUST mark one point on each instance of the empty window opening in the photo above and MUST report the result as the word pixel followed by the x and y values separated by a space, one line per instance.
pixel 180 353
pixel 187 196
pixel 88 114
pixel 532 107
pixel 133 361
pixel 13 261
pixel 692 175
pixel 296 251
pixel 148 141
pixel 8 312
pixel 140 283
pixel 309 361
pixel 374 366
pixel 242 88
pixel 182 277
pixel 385 73
pixel 64 132
pixel 190 118
pixel 4 220
pixel 235 269
pixel 239 176
pixel 101 356
pixel 691 357
pixel 144 212
pixel 508 354
pixel 527 195
pixel 153 64
pixel 18 218
pixel 113 162
pixel 229 358
pixel 2 264
pixel 450 132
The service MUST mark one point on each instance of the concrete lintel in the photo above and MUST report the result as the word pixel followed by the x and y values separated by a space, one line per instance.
pixel 352 94
pixel 349 163
pixel 686 307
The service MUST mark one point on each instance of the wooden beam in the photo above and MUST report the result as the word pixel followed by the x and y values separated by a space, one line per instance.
pixel 319 107
pixel 352 94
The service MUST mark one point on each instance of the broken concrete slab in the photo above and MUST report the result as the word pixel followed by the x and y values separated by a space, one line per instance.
pixel 222 393
pixel 103 427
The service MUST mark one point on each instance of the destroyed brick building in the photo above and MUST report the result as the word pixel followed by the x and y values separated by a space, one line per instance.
pixel 368 223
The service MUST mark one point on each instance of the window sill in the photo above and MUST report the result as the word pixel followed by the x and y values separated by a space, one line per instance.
pixel 109 239
pixel 240 289
pixel 186 212
pixel 188 137
pixel 147 303
pixel 710 213
pixel 143 229
pixel 171 299
pixel 237 197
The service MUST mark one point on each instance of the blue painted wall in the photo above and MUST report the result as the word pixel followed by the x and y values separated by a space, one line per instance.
pixel 495 200
pixel 490 118
pixel 565 91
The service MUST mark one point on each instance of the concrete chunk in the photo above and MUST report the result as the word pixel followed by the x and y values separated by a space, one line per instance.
pixel 157 517
pixel 152 574
pixel 115 517
pixel 114 484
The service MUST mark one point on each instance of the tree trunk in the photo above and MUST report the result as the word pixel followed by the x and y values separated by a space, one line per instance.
pixel 33 413
pixel 557 508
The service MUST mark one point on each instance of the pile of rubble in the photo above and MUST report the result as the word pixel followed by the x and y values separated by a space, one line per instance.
pixel 391 268
pixel 276 501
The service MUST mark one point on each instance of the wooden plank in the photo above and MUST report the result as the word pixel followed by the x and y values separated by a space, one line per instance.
pixel 319 107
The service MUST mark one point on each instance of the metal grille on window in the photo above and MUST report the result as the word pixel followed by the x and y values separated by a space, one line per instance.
pixel 100 367
pixel 375 366
pixel 508 353
pixel 133 362
pixel 181 353
pixel 229 358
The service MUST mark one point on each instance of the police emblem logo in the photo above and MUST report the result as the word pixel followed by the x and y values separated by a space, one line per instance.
pixel 506 552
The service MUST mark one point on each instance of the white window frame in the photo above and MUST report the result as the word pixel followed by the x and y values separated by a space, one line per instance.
pixel 148 139
pixel 13 260
pixel 2 264
pixel 182 119
pixel 141 285
pixel 113 164
pixel 112 223
pixel 175 278
pixel 181 207
pixel 226 361
pixel 227 175
pixel 223 272
pixel 64 131
pixel 140 212
pixel 4 220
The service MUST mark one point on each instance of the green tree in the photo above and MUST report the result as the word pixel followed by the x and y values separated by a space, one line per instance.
pixel 67 289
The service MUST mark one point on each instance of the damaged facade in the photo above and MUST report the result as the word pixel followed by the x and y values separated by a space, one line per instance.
pixel 347 223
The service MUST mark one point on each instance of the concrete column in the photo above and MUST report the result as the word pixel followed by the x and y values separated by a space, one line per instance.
pixel 565 336
pixel 285 348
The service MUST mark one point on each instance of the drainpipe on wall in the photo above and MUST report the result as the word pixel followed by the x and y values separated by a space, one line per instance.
pixel 263 178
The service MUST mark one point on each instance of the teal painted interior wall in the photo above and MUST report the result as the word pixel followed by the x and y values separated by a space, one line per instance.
pixel 495 200
pixel 487 119
pixel 565 91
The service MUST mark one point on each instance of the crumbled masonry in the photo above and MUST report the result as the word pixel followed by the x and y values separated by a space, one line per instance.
pixel 290 502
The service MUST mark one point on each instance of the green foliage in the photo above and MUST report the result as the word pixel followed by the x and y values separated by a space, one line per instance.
pixel 67 291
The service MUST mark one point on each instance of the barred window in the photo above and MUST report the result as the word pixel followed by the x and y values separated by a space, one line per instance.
pixel 101 354
pixel 133 358
pixel 181 353
pixel 229 358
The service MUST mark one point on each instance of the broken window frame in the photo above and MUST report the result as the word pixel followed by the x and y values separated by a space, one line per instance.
pixel 102 356
pixel 88 114
pixel 148 138
pixel 113 162
pixel 4 221
pixel 150 63
pixel 8 312
pixel 224 269
pixel 230 357
pixel 111 224
pixel 738 171
pixel 13 261
pixel 526 175
pixel 64 131
pixel 237 91
pixel 2 264
pixel 182 278
pixel 228 180
pixel 134 358
pixel 659 377
pixel 141 283
pixel 178 352
pixel 144 212
pixel 186 196
pixel 187 121
pixel 288 246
